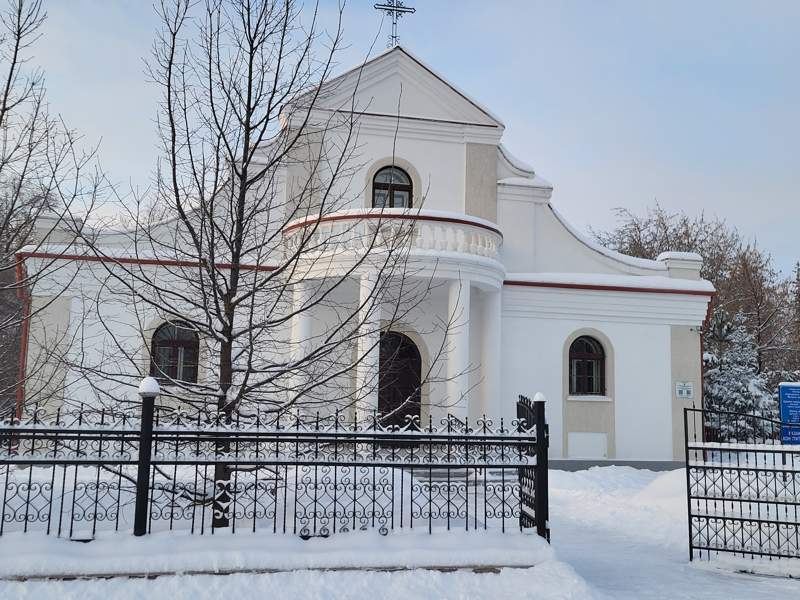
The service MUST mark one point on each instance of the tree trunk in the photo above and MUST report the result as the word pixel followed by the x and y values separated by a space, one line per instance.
pixel 223 495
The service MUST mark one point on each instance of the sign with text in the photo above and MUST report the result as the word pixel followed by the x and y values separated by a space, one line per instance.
pixel 790 412
pixel 684 390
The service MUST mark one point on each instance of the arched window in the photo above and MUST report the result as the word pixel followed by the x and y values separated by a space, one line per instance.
pixel 391 188
pixel 174 352
pixel 587 367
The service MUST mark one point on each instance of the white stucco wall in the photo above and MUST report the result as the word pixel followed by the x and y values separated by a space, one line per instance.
pixel 439 165
pixel 532 362
pixel 537 324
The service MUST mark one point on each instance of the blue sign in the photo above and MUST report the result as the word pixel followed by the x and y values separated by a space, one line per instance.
pixel 790 412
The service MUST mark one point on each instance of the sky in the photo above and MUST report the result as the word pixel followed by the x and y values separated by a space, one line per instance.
pixel 694 105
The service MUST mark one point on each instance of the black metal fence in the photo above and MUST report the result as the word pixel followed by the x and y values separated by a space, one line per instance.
pixel 77 473
pixel 743 486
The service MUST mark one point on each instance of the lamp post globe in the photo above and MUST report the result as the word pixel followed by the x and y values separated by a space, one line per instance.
pixel 149 388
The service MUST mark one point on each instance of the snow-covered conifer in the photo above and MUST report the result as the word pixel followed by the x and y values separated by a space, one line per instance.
pixel 733 383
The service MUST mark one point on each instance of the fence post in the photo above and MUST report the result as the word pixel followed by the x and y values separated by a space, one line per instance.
pixel 541 508
pixel 148 390
pixel 687 458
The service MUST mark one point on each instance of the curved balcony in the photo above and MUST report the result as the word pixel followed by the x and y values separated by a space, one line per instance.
pixel 425 234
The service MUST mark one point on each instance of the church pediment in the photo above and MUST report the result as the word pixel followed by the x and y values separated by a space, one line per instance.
pixel 396 82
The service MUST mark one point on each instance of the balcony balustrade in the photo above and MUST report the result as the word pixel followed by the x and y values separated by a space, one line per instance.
pixel 422 232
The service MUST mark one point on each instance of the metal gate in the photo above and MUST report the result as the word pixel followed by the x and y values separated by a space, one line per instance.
pixel 743 486
pixel 533 481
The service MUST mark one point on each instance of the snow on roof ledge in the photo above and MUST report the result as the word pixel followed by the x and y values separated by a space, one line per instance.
pixel 603 280
pixel 682 265
pixel 534 182
pixel 685 256
pixel 633 261
pixel 514 162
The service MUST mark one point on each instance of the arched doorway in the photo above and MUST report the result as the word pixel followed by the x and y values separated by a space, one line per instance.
pixel 400 378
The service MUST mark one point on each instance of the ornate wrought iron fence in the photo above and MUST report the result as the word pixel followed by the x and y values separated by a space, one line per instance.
pixel 743 486
pixel 75 473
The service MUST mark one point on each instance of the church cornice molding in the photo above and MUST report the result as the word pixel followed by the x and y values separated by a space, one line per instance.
pixel 605 304
pixel 523 193
pixel 410 126
pixel 429 130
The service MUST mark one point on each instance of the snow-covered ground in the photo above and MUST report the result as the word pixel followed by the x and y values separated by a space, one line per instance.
pixel 625 533
pixel 617 533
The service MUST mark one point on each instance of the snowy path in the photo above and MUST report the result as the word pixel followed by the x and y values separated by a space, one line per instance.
pixel 624 532
pixel 616 567
pixel 618 533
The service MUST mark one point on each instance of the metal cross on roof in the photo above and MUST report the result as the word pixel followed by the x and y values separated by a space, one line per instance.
pixel 396 9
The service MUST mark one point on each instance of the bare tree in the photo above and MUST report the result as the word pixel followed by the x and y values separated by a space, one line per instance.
pixel 762 297
pixel 244 243
pixel 45 179
pixel 657 231
pixel 746 281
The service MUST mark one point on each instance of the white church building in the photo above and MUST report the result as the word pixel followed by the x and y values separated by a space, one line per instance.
pixel 611 341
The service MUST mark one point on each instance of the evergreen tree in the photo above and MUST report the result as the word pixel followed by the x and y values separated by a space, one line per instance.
pixel 733 383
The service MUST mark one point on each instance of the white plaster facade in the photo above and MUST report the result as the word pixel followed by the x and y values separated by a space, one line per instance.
pixel 523 283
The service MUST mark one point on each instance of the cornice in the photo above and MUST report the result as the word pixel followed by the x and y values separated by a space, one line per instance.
pixel 621 306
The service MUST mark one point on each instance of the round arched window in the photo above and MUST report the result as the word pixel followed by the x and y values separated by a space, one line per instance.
pixel 587 367
pixel 174 352
pixel 391 188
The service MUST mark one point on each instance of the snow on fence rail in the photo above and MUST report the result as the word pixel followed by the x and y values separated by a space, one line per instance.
pixel 74 474
pixel 743 486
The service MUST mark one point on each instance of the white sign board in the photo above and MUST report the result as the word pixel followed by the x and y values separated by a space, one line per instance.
pixel 684 390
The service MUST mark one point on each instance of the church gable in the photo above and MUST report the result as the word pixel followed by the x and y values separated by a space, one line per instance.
pixel 397 82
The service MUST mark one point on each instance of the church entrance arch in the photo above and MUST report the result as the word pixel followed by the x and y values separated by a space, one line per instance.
pixel 399 380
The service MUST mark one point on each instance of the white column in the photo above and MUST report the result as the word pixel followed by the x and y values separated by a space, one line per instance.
pixel 366 391
pixel 301 334
pixel 491 347
pixel 458 366
pixel 301 321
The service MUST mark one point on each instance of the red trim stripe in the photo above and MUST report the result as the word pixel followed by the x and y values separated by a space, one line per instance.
pixel 137 261
pixel 606 288
pixel 389 217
